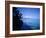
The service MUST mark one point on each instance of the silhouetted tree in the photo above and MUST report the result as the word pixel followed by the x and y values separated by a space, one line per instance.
pixel 17 22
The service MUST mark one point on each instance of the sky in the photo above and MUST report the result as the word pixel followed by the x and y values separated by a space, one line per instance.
pixel 29 12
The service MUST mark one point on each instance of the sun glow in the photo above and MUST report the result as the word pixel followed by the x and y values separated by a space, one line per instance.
pixel 27 17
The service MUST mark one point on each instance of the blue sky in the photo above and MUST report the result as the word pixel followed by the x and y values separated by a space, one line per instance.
pixel 30 12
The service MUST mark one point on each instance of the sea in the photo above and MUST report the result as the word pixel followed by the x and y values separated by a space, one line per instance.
pixel 30 24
